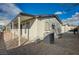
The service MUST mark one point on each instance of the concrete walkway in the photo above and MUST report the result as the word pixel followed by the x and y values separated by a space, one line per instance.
pixel 67 45
pixel 2 45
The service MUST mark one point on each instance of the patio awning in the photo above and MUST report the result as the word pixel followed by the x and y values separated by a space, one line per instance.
pixel 23 17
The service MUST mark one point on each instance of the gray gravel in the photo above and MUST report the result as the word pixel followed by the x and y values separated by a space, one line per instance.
pixel 67 45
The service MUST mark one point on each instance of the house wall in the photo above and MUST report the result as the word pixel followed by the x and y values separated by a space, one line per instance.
pixel 44 29
pixel 42 32
pixel 7 36
pixel 24 31
pixel 11 40
pixel 37 30
pixel 63 29
pixel 33 34
pixel 57 27
pixel 29 30
pixel 66 28
pixel 40 29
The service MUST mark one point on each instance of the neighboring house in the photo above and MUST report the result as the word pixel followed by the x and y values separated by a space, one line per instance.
pixel 1 28
pixel 33 28
pixel 66 28
pixel 3 23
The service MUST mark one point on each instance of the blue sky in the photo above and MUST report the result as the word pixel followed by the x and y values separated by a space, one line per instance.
pixel 65 10
pixel 68 13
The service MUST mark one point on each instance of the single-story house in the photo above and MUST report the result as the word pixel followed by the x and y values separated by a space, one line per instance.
pixel 67 28
pixel 33 28
pixel 3 23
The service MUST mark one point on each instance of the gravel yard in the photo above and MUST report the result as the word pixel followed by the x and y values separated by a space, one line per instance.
pixel 68 44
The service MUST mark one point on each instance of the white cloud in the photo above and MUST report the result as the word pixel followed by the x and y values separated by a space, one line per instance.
pixel 8 10
pixel 59 12
pixel 77 13
pixel 74 20
pixel 4 20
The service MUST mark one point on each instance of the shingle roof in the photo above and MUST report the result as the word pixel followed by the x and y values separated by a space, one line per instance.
pixel 39 16
pixel 42 16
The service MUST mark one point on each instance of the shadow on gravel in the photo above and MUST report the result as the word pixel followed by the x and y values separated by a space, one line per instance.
pixel 3 50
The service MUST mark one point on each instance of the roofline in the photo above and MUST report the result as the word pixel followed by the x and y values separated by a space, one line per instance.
pixel 58 19
pixel 12 20
pixel 35 16
pixel 25 14
pixel 51 16
pixel 42 16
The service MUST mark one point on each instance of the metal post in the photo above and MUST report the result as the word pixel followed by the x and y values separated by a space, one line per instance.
pixel 12 30
pixel 19 43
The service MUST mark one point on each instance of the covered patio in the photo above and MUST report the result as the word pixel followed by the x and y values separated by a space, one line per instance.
pixel 15 29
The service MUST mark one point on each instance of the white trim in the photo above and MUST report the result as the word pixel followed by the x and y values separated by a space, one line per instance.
pixel 13 30
pixel 19 43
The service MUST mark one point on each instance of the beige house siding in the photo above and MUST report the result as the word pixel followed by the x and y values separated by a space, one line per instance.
pixel 66 28
pixel 57 27
pixel 34 29
pixel 41 29
pixel 37 29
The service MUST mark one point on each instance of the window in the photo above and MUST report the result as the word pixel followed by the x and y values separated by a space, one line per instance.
pixel 27 27
pixel 11 26
pixel 53 26
pixel 47 26
pixel 21 29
